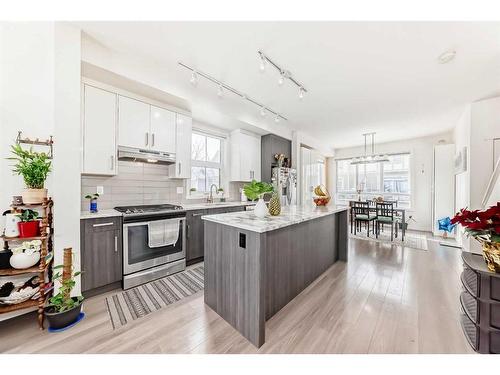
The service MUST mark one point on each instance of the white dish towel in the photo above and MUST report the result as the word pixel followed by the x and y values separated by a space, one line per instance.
pixel 163 232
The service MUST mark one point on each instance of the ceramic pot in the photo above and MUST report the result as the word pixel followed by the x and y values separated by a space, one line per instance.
pixel 29 229
pixel 260 209
pixel 22 261
pixel 11 225
pixel 34 196
pixel 93 206
pixel 58 320
pixel 491 255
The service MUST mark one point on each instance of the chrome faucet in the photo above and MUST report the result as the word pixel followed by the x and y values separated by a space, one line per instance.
pixel 210 198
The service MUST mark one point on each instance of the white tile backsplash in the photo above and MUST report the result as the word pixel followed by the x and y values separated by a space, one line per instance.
pixel 136 183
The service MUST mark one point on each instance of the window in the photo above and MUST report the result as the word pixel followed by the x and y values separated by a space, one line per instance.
pixel 390 180
pixel 206 161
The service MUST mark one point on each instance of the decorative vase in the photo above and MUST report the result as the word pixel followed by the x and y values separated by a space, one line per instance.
pixel 260 209
pixel 34 196
pixel 274 205
pixel 22 261
pixel 491 255
pixel 93 206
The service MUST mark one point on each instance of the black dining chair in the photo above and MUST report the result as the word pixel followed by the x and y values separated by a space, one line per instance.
pixel 385 215
pixel 360 212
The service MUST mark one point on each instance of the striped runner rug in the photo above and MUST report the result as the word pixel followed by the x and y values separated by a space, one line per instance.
pixel 135 303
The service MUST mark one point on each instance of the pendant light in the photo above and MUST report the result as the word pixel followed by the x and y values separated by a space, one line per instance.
pixel 370 158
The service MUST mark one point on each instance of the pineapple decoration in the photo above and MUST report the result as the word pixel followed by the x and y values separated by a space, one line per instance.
pixel 274 205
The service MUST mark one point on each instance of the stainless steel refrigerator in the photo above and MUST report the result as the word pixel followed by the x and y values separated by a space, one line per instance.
pixel 285 184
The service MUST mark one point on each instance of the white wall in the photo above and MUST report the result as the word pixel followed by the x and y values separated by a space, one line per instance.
pixel 40 85
pixel 478 125
pixel 421 150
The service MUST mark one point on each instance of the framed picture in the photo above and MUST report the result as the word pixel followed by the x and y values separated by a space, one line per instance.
pixel 461 161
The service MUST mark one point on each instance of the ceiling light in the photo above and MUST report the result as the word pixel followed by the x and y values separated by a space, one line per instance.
pixel 194 78
pixel 372 158
pixel 277 119
pixel 281 80
pixel 262 66
pixel 301 93
pixel 223 89
pixel 447 56
pixel 152 160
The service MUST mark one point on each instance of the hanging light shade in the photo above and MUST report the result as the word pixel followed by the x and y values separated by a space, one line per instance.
pixel 370 158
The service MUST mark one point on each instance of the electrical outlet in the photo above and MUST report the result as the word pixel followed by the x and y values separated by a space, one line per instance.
pixel 100 190
pixel 180 190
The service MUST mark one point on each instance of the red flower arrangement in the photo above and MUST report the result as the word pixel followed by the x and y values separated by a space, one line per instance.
pixel 484 225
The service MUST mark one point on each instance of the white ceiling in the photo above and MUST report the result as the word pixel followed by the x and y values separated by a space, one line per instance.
pixel 361 76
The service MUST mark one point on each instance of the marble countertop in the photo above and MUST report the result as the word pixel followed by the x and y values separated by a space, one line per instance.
pixel 101 213
pixel 187 206
pixel 289 216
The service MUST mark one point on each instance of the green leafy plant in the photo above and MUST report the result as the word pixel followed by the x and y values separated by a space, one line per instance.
pixel 255 189
pixel 92 197
pixel 63 301
pixel 220 190
pixel 28 215
pixel 33 166
pixel 192 190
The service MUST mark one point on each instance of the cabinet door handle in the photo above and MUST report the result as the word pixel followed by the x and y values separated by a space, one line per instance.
pixel 187 231
pixel 180 168
pixel 103 224
pixel 200 214
pixel 152 139
pixel 116 244
pixel 147 138
pixel 112 162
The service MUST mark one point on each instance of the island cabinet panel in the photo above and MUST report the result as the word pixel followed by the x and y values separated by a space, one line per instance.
pixel 300 253
pixel 250 275
pixel 234 285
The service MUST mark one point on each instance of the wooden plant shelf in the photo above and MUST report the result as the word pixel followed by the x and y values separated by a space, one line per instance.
pixel 14 271
pixel 19 306
pixel 44 237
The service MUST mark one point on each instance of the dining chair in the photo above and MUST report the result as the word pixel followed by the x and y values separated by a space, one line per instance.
pixel 361 214
pixel 385 215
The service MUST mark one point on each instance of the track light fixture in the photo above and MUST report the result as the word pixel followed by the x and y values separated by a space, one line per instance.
pixel 224 87
pixel 194 78
pixel 284 74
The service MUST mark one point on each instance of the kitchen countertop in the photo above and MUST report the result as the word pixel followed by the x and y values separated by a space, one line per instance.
pixel 187 206
pixel 289 216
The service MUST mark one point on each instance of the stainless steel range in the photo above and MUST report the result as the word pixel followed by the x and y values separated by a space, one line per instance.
pixel 154 242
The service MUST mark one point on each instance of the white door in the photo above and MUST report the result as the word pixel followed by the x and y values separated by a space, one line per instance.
pixel 162 130
pixel 444 184
pixel 99 131
pixel 133 123
pixel 182 166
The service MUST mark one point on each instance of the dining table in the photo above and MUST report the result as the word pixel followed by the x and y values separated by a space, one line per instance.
pixel 401 218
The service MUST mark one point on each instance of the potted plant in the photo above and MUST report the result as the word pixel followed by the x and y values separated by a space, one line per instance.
pixel 405 224
pixel 256 190
pixel 34 167
pixel 29 226
pixel 93 202
pixel 483 226
pixel 62 309
pixel 221 191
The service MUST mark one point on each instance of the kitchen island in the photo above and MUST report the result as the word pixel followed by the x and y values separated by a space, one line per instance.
pixel 254 266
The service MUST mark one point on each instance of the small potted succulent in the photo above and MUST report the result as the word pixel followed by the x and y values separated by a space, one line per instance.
pixel 29 226
pixel 93 202
pixel 257 190
pixel 484 227
pixel 34 167
pixel 62 309
pixel 221 192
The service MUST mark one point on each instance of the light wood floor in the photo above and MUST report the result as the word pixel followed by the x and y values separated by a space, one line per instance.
pixel 384 300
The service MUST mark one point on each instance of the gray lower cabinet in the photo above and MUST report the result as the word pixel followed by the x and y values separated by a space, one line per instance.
pixel 101 252
pixel 196 232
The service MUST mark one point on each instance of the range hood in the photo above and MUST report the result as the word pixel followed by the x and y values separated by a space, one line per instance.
pixel 145 156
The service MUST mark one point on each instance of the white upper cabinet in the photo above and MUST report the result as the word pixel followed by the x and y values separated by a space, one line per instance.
pixel 134 123
pixel 245 156
pixel 162 130
pixel 99 131
pixel 182 166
